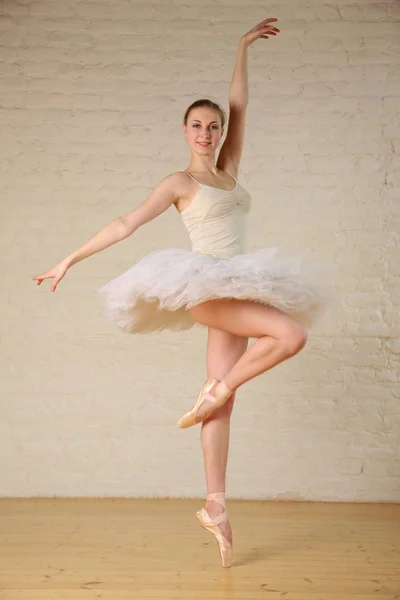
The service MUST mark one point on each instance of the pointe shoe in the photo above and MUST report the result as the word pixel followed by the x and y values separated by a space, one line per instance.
pixel 211 524
pixel 191 417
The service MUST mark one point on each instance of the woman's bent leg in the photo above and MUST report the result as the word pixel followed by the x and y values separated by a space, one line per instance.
pixel 279 335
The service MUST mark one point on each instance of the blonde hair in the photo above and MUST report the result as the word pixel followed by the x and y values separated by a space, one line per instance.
pixel 209 104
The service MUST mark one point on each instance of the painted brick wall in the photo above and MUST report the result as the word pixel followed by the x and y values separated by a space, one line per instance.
pixel 92 97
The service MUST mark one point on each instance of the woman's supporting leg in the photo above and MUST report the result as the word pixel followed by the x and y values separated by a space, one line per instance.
pixel 231 323
pixel 223 351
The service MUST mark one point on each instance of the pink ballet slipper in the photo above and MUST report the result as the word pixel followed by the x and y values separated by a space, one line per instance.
pixel 211 524
pixel 192 417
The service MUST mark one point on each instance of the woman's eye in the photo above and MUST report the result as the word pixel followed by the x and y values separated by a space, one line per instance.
pixel 198 125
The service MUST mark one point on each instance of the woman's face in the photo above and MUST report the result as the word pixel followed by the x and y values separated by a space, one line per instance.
pixel 203 131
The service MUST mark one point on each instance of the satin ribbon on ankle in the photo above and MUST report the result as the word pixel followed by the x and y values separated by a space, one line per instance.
pixel 218 497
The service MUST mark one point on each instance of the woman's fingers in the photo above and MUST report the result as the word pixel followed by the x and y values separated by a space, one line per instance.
pixel 262 30
pixel 40 278
pixel 271 29
pixel 54 285
pixel 56 273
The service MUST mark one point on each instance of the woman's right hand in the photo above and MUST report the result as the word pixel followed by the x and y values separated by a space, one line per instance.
pixel 262 30
pixel 56 273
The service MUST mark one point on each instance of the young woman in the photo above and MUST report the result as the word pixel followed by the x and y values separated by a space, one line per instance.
pixel 237 296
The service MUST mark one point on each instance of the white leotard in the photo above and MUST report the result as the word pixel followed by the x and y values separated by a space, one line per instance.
pixel 216 220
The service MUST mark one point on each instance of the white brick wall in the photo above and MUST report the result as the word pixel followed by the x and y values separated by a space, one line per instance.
pixel 92 97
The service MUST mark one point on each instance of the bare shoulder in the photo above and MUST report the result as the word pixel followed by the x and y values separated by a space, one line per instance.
pixel 181 180
pixel 185 188
pixel 172 189
pixel 176 184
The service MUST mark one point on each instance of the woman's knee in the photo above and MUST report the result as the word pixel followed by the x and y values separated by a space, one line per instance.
pixel 294 338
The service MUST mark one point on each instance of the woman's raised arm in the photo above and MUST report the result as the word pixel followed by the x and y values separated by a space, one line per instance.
pixel 231 151
pixel 161 198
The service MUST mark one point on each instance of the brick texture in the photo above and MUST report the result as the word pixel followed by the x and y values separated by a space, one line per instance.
pixel 92 96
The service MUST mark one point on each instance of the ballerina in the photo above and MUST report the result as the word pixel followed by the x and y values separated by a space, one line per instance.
pixel 235 295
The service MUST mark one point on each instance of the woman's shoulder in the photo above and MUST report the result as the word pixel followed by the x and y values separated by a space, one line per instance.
pixel 180 176
pixel 181 182
pixel 182 188
pixel 177 178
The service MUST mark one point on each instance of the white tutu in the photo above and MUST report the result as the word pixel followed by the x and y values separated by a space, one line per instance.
pixel 156 292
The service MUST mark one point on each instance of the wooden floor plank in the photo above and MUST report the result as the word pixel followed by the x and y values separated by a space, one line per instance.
pixel 115 549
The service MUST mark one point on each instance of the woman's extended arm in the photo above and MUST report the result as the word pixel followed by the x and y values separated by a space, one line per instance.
pixel 161 198
pixel 239 88
pixel 231 151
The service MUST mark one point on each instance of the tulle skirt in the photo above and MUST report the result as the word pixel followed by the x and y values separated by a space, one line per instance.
pixel 156 292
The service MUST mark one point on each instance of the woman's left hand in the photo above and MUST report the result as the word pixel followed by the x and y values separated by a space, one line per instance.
pixel 262 30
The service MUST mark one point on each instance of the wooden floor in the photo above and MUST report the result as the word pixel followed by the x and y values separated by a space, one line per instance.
pixel 120 549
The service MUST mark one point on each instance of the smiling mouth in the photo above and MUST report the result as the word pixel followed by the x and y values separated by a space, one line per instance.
pixel 204 143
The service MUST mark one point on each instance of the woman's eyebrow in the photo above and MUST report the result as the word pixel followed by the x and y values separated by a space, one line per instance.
pixel 197 121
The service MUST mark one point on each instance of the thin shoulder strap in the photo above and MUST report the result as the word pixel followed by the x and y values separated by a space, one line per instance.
pixel 190 175
pixel 234 179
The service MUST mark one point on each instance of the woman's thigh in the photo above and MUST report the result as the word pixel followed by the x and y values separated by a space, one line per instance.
pixel 223 351
pixel 245 318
